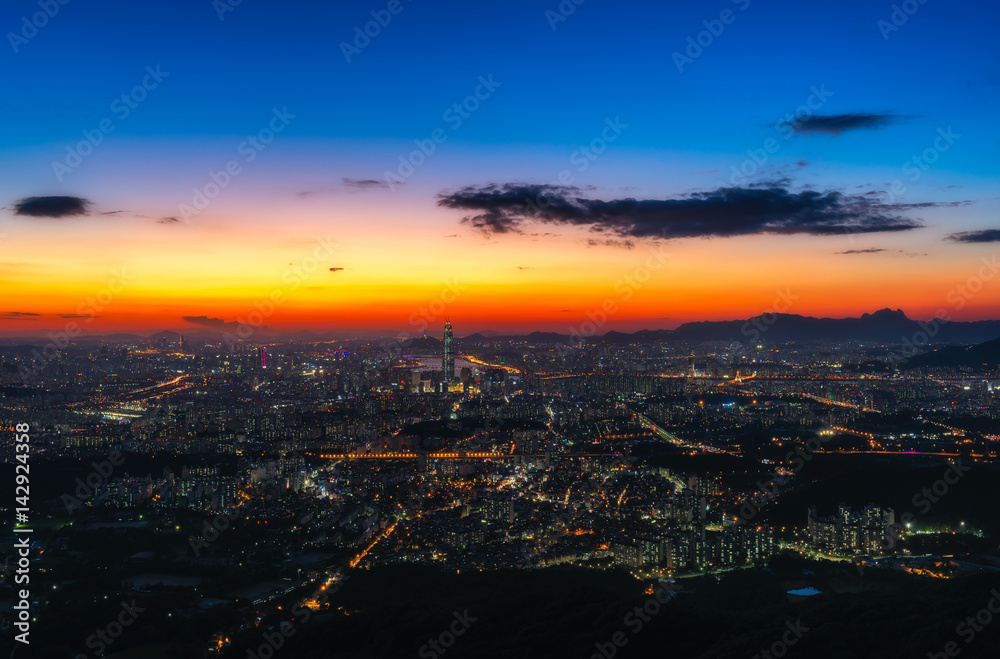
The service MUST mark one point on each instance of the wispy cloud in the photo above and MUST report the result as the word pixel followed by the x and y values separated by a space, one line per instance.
pixel 610 242
pixel 365 184
pixel 983 236
pixel 835 124
pixel 351 185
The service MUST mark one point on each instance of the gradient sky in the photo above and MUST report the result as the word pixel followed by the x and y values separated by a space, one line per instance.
pixel 559 83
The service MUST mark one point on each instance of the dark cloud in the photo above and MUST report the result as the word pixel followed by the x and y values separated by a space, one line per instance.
pixel 57 206
pixel 983 236
pixel 335 269
pixel 525 267
pixel 454 235
pixel 205 321
pixel 219 324
pixel 18 315
pixel 872 250
pixel 835 124
pixel 719 213
pixel 168 220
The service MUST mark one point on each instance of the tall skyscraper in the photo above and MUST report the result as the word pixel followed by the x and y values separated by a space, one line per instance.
pixel 448 363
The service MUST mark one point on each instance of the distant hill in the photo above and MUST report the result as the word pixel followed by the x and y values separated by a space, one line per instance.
pixel 883 326
pixel 167 335
pixel 424 343
pixel 642 336
pixel 534 337
pixel 983 355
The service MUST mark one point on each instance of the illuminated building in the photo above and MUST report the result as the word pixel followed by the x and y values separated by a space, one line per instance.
pixel 448 363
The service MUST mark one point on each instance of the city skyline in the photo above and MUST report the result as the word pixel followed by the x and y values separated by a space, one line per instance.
pixel 542 329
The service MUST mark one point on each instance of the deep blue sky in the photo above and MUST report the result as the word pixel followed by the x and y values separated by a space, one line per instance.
pixel 938 73
pixel 606 59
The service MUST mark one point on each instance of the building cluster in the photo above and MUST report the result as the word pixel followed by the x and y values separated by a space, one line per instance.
pixel 468 454
pixel 847 532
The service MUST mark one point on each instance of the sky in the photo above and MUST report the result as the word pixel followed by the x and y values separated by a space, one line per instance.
pixel 516 167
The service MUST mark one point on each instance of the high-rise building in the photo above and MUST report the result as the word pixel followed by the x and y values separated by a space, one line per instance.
pixel 448 363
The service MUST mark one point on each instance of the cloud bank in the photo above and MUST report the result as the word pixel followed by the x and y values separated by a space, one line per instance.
pixel 725 212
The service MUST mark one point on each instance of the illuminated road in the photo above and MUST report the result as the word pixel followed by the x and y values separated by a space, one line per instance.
pixel 480 362
pixel 179 383
pixel 357 559
pixel 646 422
pixel 454 456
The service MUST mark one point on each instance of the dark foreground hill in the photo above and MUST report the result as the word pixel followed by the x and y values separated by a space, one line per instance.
pixel 981 356
pixel 577 614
